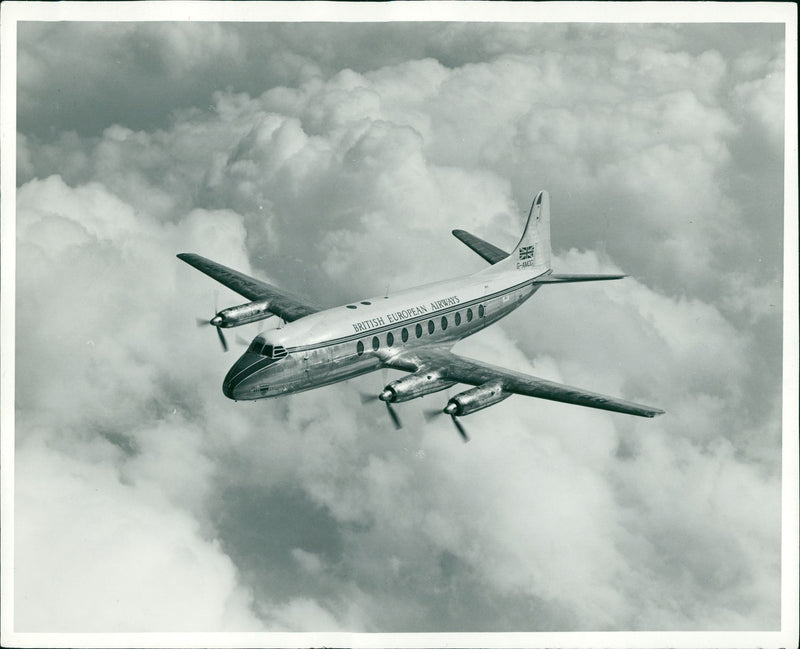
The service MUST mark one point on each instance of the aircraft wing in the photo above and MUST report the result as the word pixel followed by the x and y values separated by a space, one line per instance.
pixel 457 368
pixel 282 304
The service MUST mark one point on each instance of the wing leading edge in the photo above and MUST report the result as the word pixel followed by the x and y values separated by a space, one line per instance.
pixel 452 367
pixel 282 304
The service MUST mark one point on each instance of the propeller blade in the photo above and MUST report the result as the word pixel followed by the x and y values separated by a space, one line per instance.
pixel 433 414
pixel 386 396
pixel 393 415
pixel 222 340
pixel 201 322
pixel 370 398
pixel 460 428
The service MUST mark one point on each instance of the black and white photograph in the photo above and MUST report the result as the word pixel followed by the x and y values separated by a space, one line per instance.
pixel 399 324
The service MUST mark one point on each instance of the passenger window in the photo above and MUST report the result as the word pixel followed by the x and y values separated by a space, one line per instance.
pixel 375 343
pixel 469 315
pixel 404 334
pixel 431 327
pixel 389 339
pixel 481 311
pixel 360 348
pixel 444 323
pixel 458 318
pixel 419 331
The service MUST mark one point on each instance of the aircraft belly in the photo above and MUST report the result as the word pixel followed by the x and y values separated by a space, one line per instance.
pixel 333 372
pixel 343 369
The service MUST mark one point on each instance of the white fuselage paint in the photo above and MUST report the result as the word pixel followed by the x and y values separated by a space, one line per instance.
pixel 344 342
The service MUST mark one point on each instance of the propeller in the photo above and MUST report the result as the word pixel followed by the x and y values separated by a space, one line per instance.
pixel 449 409
pixel 393 414
pixel 216 321
pixel 383 396
pixel 222 340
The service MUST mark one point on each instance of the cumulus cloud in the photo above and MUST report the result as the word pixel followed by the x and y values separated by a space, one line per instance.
pixel 334 175
pixel 96 552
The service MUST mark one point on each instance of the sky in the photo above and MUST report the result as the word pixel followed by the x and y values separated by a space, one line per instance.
pixel 333 160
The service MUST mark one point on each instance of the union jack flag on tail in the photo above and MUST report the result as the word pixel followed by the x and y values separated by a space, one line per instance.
pixel 532 252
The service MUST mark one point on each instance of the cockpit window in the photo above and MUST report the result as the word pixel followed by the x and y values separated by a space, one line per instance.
pixel 276 351
pixel 258 346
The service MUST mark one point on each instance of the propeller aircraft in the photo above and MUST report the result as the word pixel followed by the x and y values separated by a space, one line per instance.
pixel 412 330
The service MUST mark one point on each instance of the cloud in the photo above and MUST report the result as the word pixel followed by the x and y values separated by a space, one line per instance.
pixel 98 554
pixel 761 95
pixel 334 175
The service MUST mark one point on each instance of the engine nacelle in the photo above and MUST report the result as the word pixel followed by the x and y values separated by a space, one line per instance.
pixel 242 314
pixel 413 386
pixel 476 399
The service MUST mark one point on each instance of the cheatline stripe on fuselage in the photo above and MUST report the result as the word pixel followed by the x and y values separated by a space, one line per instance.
pixel 405 323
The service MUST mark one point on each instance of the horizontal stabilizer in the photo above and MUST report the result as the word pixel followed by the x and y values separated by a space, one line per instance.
pixel 490 253
pixel 564 279
pixel 532 253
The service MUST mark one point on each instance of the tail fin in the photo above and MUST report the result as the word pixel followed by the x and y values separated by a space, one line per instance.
pixel 533 250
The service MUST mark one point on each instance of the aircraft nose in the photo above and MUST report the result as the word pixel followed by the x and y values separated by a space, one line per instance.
pixel 227 388
pixel 235 384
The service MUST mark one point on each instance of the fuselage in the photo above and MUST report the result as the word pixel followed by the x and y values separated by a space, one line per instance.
pixel 353 339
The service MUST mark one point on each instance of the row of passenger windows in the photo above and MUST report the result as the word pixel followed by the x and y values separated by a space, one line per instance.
pixel 418 330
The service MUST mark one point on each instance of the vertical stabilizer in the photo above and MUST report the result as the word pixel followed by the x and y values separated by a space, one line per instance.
pixel 533 250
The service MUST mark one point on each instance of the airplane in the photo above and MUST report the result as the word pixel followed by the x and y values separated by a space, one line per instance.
pixel 412 330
